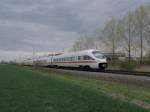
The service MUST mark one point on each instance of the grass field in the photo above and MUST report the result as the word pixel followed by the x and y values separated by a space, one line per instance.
pixel 25 90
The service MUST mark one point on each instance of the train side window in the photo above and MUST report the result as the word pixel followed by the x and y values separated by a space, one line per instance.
pixel 80 57
pixel 68 58
pixel 86 57
pixel 64 59
pixel 73 58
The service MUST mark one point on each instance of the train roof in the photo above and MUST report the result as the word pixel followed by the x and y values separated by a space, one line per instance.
pixel 76 53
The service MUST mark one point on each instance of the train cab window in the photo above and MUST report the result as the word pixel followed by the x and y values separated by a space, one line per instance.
pixel 98 54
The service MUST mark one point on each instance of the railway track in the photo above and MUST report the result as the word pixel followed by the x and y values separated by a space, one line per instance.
pixel 120 76
pixel 125 77
pixel 122 72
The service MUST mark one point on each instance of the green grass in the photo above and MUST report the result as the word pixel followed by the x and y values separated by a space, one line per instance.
pixel 129 91
pixel 23 90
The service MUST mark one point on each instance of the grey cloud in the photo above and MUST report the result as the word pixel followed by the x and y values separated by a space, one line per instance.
pixel 54 24
pixel 74 15
pixel 52 14
pixel 26 35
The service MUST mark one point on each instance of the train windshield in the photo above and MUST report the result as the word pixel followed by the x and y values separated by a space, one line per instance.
pixel 98 54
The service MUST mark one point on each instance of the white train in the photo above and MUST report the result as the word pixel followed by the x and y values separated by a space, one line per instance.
pixel 83 59
pixel 87 59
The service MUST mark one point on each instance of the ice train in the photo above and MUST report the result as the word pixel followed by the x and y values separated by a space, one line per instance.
pixel 87 59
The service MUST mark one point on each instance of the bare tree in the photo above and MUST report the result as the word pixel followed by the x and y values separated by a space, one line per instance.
pixel 141 16
pixel 147 28
pixel 147 36
pixel 121 34
pixel 84 43
pixel 109 35
pixel 129 29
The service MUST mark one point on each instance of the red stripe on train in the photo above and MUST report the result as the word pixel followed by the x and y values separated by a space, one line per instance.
pixel 75 62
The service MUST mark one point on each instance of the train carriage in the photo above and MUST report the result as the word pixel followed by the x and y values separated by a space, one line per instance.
pixel 82 59
pixel 87 59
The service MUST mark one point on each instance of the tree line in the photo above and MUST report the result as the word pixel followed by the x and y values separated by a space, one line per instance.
pixel 129 34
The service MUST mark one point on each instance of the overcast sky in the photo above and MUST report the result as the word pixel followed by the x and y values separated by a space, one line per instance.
pixel 53 25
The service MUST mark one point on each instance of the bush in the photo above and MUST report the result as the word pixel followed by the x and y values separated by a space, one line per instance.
pixel 126 65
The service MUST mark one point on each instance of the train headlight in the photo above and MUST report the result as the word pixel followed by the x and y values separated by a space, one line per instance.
pixel 104 65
